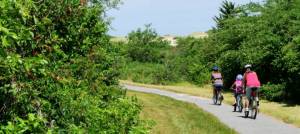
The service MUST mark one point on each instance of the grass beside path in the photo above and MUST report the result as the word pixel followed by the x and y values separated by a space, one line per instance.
pixel 286 113
pixel 177 117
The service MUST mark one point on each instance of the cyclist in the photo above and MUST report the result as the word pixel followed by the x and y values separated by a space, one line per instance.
pixel 217 80
pixel 250 81
pixel 237 86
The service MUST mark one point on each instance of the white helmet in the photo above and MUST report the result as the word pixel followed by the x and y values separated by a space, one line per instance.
pixel 239 77
pixel 248 66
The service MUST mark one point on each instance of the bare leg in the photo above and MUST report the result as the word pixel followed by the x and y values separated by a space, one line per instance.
pixel 246 103
pixel 214 92
pixel 235 99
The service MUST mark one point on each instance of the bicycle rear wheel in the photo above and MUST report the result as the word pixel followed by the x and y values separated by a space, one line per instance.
pixel 215 99
pixel 254 110
pixel 240 104
pixel 220 98
pixel 254 113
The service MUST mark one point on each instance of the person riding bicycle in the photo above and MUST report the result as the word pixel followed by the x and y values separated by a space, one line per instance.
pixel 237 86
pixel 217 80
pixel 250 81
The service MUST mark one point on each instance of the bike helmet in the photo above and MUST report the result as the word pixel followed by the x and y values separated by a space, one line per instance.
pixel 248 66
pixel 215 68
pixel 239 77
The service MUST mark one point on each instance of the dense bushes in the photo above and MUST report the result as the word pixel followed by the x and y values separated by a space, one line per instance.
pixel 273 92
pixel 57 71
pixel 150 59
pixel 149 73
pixel 190 60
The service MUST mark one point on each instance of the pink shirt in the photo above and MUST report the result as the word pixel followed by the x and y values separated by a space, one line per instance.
pixel 252 80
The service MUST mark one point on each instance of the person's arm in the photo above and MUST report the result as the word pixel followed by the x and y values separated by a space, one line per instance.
pixel 257 77
pixel 244 81
pixel 232 86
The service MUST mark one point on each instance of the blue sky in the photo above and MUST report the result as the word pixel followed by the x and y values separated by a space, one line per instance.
pixel 175 17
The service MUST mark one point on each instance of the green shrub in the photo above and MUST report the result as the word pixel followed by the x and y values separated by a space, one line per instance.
pixel 146 46
pixel 273 92
pixel 33 124
pixel 151 73
pixel 191 61
pixel 56 62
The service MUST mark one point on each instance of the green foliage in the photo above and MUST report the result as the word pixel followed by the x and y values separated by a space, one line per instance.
pixel 228 10
pixel 33 124
pixel 273 92
pixel 158 63
pixel 144 46
pixel 191 60
pixel 58 70
pixel 146 58
pixel 149 73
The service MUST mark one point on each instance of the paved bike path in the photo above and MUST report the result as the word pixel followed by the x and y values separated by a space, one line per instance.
pixel 262 125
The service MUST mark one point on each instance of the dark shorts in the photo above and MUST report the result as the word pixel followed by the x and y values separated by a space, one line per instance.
pixel 218 87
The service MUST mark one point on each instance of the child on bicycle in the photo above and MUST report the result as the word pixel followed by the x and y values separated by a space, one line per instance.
pixel 237 86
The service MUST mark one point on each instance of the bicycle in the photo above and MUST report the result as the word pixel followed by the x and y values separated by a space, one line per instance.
pixel 239 101
pixel 253 104
pixel 218 98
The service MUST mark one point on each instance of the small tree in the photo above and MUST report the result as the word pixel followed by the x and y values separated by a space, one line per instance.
pixel 146 45
pixel 227 10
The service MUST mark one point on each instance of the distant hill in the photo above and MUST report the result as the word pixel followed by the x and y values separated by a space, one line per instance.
pixel 170 38
pixel 198 35
pixel 118 39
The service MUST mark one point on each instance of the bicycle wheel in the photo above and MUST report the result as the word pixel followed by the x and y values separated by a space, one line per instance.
pixel 254 110
pixel 240 104
pixel 215 99
pixel 220 98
